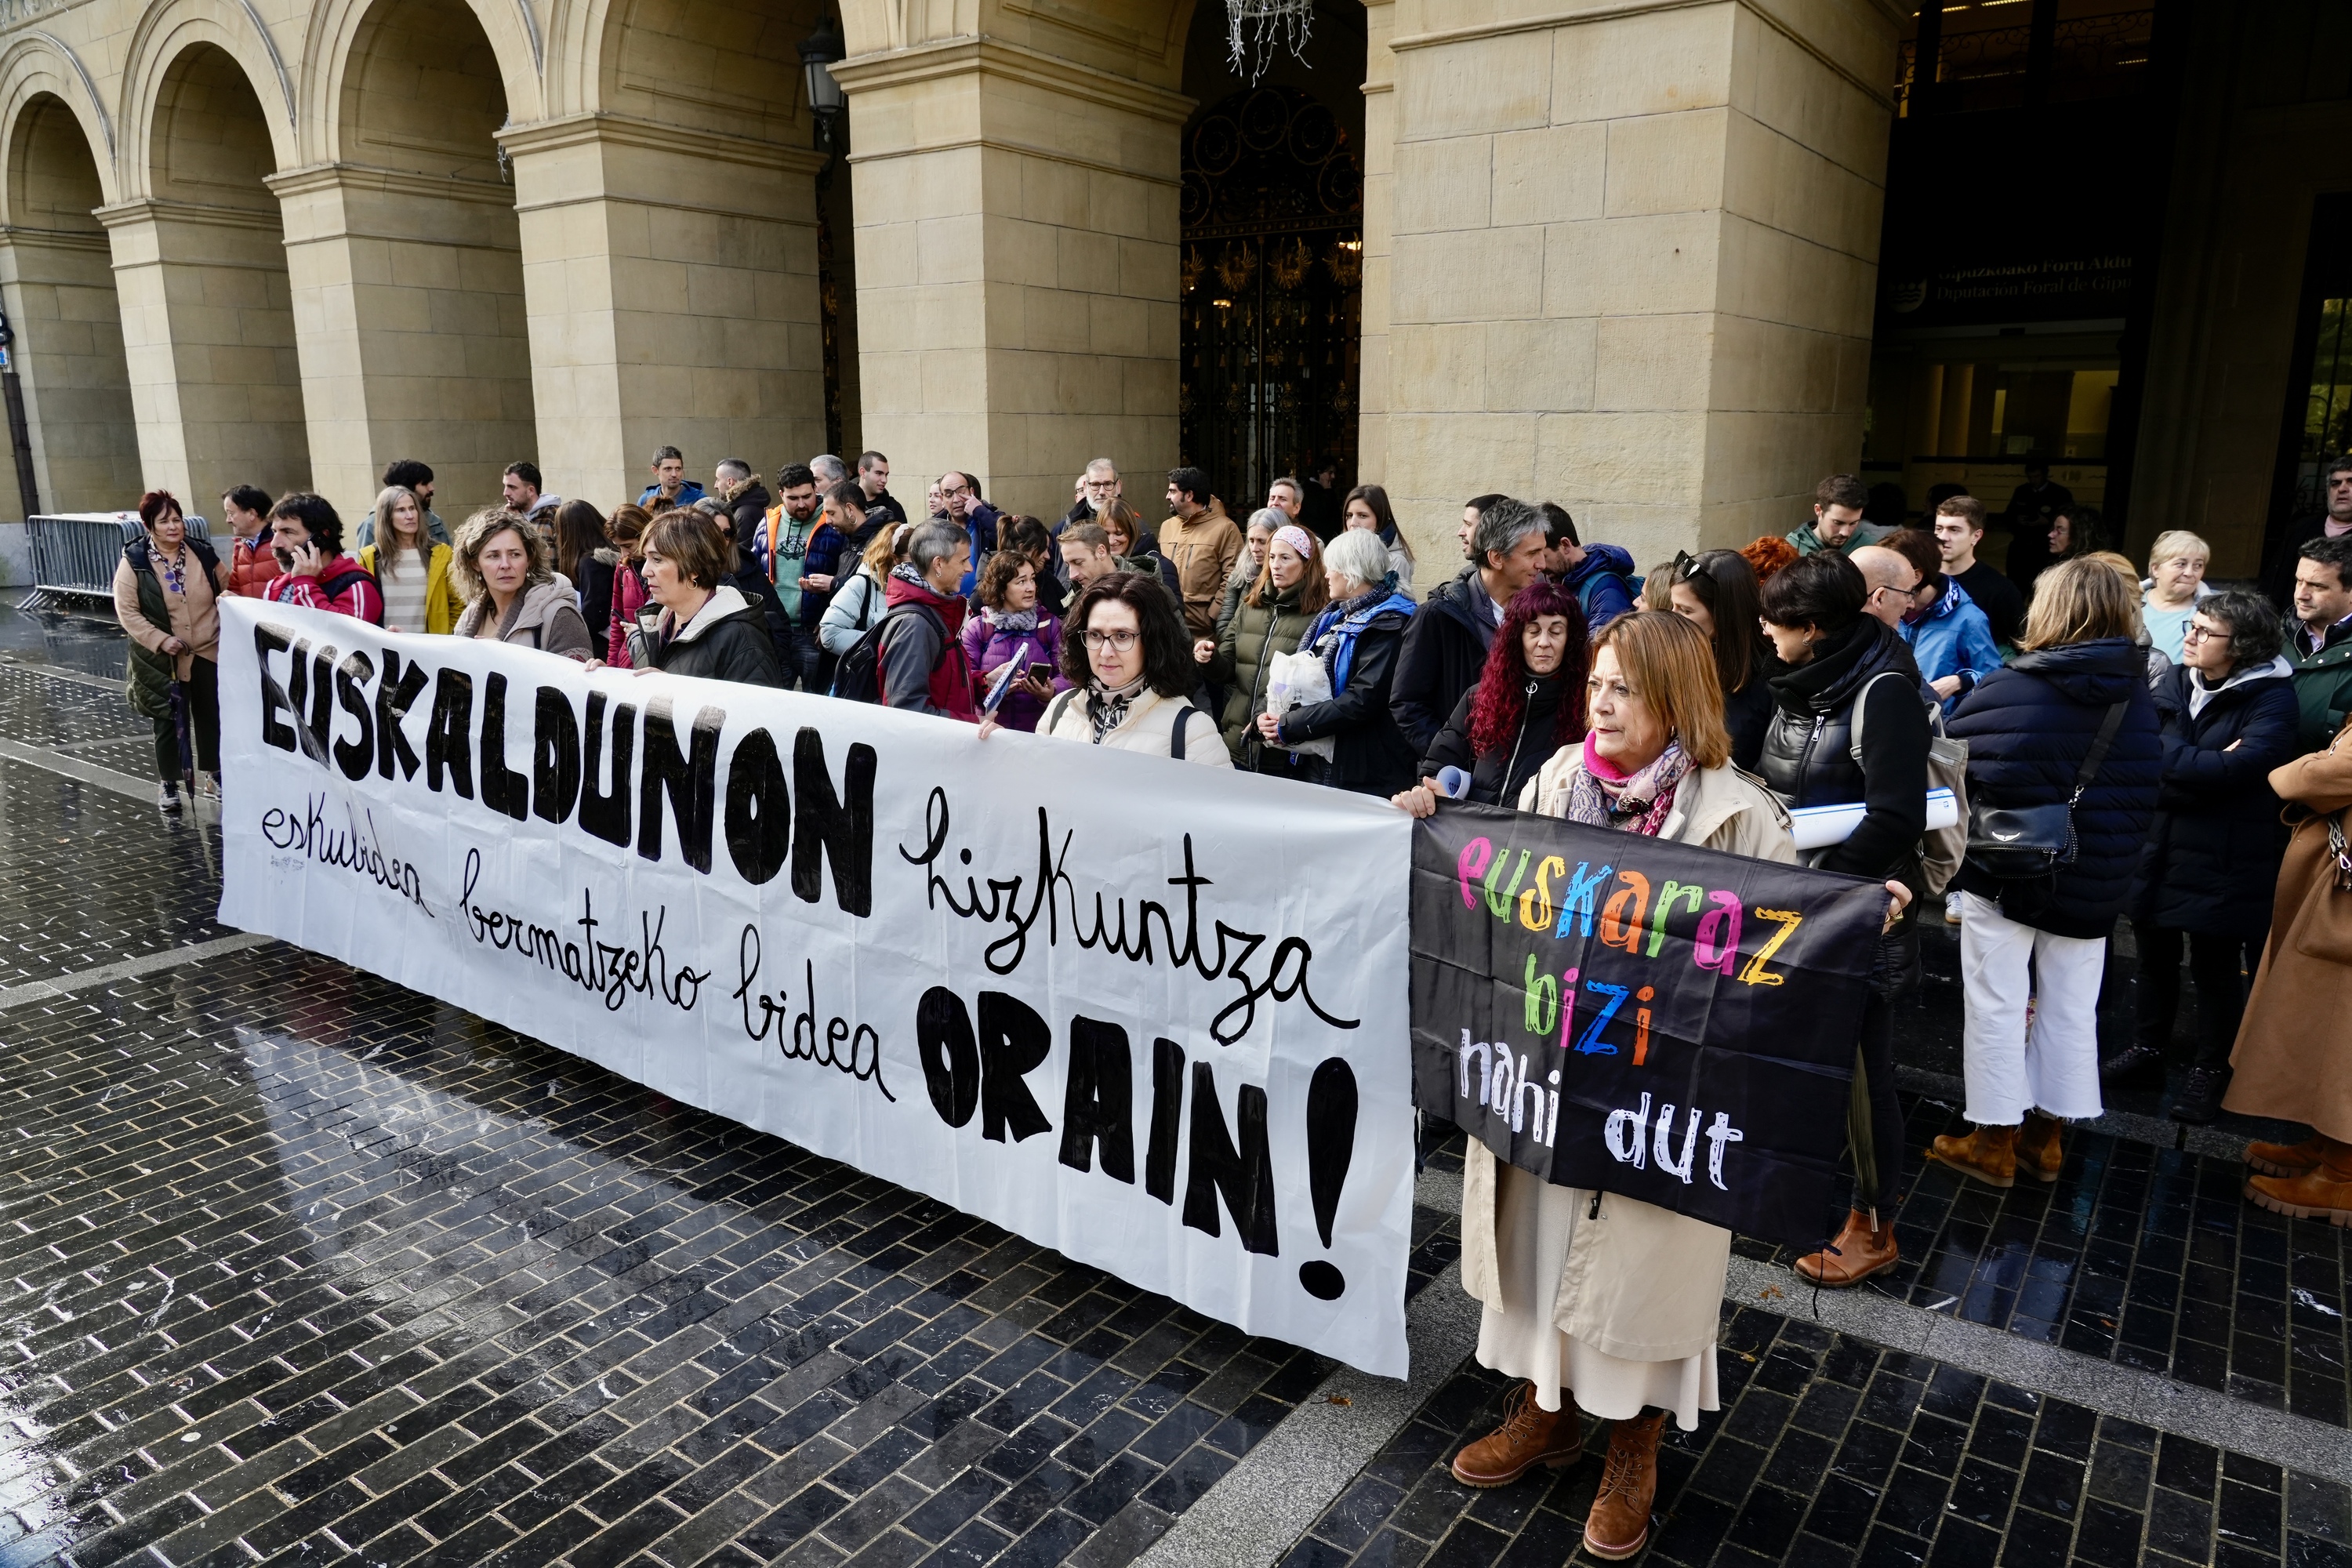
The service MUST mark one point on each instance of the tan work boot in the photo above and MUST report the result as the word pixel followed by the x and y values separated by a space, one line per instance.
pixel 1989 1155
pixel 1618 1524
pixel 2325 1192
pixel 2040 1153
pixel 1529 1435
pixel 1865 1247
pixel 2287 1159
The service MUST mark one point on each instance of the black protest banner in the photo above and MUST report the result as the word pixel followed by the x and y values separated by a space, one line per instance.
pixel 1652 1019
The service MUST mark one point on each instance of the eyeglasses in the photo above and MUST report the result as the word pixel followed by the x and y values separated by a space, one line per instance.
pixel 1117 642
pixel 951 491
pixel 2195 633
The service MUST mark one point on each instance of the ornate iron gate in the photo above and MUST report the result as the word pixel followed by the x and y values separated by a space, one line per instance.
pixel 1273 273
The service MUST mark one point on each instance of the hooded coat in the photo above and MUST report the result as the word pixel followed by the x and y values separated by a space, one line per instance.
pixel 1807 543
pixel 1602 584
pixel 2212 858
pixel 1370 754
pixel 2290 1060
pixel 1243 665
pixel 727 640
pixel 544 615
pixel 921 665
pixel 988 649
pixel 2028 727
pixel 1954 637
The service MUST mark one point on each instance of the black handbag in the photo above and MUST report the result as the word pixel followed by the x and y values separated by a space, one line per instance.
pixel 2020 843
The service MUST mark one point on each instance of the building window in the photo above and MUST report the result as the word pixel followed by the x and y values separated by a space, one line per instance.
pixel 2012 54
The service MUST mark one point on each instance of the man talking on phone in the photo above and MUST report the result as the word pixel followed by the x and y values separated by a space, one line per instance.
pixel 307 537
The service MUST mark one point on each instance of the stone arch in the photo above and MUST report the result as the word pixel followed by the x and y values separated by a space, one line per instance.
pixel 339 34
pixel 156 61
pixel 35 65
pixel 58 281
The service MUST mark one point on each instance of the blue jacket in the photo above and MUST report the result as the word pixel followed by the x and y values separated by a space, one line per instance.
pixel 980 527
pixel 2028 727
pixel 1953 638
pixel 2213 859
pixel 1601 584
pixel 688 492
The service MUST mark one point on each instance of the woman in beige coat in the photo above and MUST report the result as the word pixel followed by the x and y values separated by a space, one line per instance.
pixel 1604 1297
pixel 2290 1061
pixel 167 589
pixel 1130 672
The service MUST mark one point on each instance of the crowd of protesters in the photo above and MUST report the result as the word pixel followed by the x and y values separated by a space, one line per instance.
pixel 2118 746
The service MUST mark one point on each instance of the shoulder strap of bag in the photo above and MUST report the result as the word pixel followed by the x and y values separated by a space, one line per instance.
pixel 1054 710
pixel 2098 751
pixel 1184 713
pixel 1861 701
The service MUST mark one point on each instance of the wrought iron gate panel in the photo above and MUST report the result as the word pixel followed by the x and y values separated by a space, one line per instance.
pixel 1273 271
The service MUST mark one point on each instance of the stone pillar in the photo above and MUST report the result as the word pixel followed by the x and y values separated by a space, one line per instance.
pixel 407 297
pixel 1634 260
pixel 207 333
pixel 671 286
pixel 59 289
pixel 1380 223
pixel 1018 235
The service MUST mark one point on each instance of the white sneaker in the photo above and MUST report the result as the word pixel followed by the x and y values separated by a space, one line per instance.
pixel 168 796
pixel 1951 911
pixel 208 786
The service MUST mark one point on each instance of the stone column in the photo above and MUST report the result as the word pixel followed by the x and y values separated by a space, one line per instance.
pixel 407 297
pixel 1634 259
pixel 1380 190
pixel 671 286
pixel 59 291
pixel 1017 249
pixel 207 333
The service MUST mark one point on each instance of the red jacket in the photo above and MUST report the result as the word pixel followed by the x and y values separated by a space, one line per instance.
pixel 353 591
pixel 629 598
pixel 252 568
pixel 910 648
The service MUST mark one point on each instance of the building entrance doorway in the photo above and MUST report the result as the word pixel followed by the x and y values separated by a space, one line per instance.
pixel 1272 277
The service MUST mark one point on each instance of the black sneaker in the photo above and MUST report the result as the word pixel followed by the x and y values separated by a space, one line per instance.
pixel 2133 1064
pixel 2201 1096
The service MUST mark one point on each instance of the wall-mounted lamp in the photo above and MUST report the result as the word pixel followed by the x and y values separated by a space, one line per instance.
pixel 819 52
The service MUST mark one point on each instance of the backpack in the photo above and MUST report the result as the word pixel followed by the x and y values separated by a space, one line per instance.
pixel 1941 849
pixel 858 677
pixel 332 585
pixel 1176 728
pixel 1593 581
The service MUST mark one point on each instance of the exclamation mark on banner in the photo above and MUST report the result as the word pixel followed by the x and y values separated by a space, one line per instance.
pixel 1330 1148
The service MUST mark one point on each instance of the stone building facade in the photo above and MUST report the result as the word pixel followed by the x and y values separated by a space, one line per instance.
pixel 1622 255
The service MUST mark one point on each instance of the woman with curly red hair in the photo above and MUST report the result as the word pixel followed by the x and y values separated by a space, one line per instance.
pixel 1528 704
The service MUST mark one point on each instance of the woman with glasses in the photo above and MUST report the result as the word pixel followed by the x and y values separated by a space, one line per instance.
pixel 1131 675
pixel 2211 862
pixel 1849 726
pixel 1716 592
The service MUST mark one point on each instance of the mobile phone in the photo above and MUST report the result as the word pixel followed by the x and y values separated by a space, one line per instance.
pixel 1041 672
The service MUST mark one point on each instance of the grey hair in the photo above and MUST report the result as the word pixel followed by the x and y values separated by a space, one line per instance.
pixel 1501 527
pixel 829 469
pixel 735 468
pixel 1104 464
pixel 1268 517
pixel 1358 553
pixel 935 541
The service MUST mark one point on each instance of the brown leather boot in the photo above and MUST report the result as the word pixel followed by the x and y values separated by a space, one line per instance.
pixel 1618 1524
pixel 2287 1159
pixel 1989 1155
pixel 1529 1435
pixel 2325 1192
pixel 1865 1247
pixel 2040 1153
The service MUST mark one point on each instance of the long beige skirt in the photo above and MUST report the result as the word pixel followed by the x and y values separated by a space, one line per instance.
pixel 1533 1222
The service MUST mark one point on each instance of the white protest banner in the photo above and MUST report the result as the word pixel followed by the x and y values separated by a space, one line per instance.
pixel 1150 1015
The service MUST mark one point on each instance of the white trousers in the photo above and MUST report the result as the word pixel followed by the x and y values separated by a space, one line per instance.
pixel 2052 1066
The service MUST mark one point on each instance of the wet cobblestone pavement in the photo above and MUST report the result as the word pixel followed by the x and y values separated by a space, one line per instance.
pixel 300 1266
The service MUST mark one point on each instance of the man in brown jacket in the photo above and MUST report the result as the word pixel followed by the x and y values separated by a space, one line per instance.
pixel 1202 542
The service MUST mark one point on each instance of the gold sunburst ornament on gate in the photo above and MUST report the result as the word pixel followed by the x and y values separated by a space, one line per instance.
pixel 1236 265
pixel 1288 263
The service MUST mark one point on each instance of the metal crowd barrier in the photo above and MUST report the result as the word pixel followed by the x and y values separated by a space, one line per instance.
pixel 73 554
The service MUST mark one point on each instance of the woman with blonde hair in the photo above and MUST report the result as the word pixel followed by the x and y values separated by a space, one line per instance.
pixel 2175 582
pixel 500 562
pixel 1606 1300
pixel 1269 619
pixel 410 565
pixel 858 604
pixel 2063 744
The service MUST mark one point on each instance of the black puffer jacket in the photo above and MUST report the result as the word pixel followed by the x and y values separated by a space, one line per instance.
pixel 1497 776
pixel 1443 655
pixel 1371 755
pixel 728 641
pixel 1807 758
pixel 2028 727
pixel 2212 858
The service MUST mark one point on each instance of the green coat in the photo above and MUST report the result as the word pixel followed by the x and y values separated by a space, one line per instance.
pixel 1244 650
pixel 2323 690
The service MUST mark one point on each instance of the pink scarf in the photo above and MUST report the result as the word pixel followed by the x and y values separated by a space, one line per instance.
pixel 1603 795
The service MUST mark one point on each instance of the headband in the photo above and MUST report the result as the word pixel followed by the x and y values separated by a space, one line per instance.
pixel 1298 539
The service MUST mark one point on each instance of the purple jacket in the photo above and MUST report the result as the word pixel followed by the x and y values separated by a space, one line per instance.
pixel 988 649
